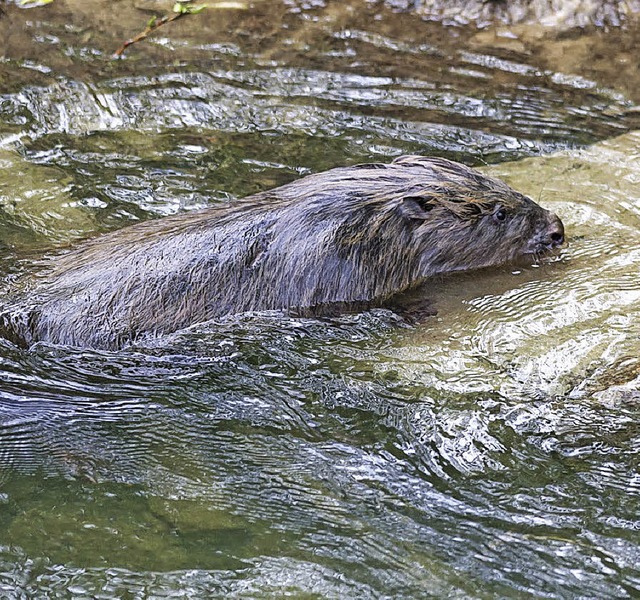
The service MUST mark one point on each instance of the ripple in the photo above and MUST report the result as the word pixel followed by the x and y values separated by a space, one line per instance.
pixel 258 101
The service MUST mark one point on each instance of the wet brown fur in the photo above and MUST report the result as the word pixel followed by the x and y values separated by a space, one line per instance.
pixel 351 235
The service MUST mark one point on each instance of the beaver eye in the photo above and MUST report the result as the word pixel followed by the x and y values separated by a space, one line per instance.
pixel 500 214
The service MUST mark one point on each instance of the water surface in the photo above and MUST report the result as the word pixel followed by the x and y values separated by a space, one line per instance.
pixel 489 452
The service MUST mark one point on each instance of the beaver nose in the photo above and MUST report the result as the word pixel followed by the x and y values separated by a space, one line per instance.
pixel 555 231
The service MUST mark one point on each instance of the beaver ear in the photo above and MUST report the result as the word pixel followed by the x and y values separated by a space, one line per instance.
pixel 415 208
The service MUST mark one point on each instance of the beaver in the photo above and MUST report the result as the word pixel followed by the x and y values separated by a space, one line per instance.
pixel 347 236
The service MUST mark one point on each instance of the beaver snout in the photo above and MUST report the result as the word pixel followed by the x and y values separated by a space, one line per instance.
pixel 555 232
pixel 549 234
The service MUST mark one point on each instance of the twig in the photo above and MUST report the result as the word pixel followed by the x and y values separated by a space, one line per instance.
pixel 153 24
pixel 181 8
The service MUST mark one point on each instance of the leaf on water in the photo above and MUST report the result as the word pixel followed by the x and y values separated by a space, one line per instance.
pixel 187 7
pixel 231 5
pixel 34 3
pixel 194 10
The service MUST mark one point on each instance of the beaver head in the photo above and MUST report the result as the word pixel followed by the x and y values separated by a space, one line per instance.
pixel 364 233
pixel 465 220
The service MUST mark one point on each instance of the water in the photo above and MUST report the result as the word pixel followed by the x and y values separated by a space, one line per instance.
pixel 490 452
